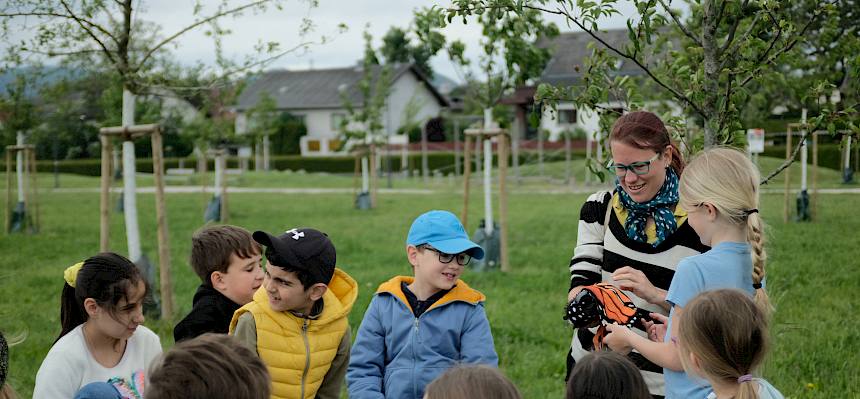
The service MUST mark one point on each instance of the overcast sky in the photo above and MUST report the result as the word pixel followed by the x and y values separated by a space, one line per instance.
pixel 344 50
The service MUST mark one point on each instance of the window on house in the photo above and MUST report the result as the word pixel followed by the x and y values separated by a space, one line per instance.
pixel 567 116
pixel 336 120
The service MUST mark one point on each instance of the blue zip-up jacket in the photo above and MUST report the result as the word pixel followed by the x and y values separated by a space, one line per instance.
pixel 395 354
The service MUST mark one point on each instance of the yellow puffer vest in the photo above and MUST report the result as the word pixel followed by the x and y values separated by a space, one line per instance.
pixel 298 352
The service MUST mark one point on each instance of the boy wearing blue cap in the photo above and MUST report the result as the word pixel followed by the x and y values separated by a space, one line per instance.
pixel 417 327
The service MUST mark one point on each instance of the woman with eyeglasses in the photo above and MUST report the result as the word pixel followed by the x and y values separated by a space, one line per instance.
pixel 635 235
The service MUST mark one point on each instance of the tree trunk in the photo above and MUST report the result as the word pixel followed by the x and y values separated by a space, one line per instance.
pixel 711 78
pixel 132 231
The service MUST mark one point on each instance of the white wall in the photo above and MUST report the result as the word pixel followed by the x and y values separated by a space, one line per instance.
pixel 405 89
pixel 550 123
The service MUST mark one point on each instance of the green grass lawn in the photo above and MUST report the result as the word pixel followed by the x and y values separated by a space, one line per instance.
pixel 812 272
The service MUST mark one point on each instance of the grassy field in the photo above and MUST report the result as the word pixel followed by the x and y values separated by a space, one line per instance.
pixel 812 272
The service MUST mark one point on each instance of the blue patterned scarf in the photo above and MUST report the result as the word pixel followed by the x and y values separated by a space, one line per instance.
pixel 657 208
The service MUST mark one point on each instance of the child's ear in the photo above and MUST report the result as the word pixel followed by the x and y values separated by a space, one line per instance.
pixel 91 307
pixel 412 255
pixel 694 361
pixel 317 291
pixel 712 211
pixel 217 280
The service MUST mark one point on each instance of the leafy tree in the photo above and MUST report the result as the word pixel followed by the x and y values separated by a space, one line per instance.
pixel 510 56
pixel 112 33
pixel 706 63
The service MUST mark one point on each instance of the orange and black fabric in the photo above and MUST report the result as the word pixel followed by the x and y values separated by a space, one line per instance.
pixel 600 304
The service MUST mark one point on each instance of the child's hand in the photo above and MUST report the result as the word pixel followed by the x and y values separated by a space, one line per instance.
pixel 617 338
pixel 656 330
pixel 633 280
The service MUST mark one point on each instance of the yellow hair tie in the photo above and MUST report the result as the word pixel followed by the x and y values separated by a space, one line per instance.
pixel 71 273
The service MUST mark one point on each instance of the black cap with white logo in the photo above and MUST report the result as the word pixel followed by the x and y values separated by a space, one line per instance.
pixel 301 249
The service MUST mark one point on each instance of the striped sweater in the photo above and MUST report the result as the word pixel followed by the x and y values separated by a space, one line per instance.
pixel 600 250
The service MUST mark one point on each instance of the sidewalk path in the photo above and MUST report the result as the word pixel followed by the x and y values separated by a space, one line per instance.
pixel 407 191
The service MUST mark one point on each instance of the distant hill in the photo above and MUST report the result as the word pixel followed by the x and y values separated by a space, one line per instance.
pixel 38 77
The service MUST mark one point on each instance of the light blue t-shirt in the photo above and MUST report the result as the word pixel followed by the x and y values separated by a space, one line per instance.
pixel 765 391
pixel 726 265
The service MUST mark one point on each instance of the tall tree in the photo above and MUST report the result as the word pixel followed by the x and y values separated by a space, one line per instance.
pixel 114 33
pixel 705 63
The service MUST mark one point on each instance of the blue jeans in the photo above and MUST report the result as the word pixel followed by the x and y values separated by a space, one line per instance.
pixel 98 390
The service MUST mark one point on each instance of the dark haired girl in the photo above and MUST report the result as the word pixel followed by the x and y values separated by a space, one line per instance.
pixel 102 337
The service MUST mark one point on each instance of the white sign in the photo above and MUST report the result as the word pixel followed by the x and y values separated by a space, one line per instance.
pixel 755 140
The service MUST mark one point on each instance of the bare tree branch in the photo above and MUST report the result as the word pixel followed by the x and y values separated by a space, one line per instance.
pixel 789 46
pixel 726 101
pixel 197 24
pixel 720 13
pixel 89 32
pixel 787 162
pixel 734 48
pixel 734 28
pixel 71 16
pixel 680 24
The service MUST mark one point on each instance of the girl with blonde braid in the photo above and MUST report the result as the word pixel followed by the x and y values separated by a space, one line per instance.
pixel 719 190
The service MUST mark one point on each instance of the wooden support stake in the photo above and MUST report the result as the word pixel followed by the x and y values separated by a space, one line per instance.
pixel 225 211
pixel 355 175
pixel 8 190
pixel 371 168
pixel 104 207
pixel 34 190
pixel 161 216
pixel 503 201
pixel 814 201
pixel 467 174
pixel 785 212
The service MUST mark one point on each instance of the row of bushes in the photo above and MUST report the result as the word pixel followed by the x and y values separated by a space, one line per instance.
pixel 443 161
pixel 829 156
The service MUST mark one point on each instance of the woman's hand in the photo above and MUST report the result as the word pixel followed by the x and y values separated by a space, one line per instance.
pixel 633 280
pixel 573 292
pixel 618 338
pixel 657 329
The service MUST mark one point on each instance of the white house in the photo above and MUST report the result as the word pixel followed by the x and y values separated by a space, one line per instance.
pixel 317 96
pixel 566 68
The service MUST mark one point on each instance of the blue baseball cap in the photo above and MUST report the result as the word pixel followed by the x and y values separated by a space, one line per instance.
pixel 443 231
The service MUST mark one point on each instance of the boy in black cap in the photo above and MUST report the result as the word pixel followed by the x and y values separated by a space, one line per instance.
pixel 298 322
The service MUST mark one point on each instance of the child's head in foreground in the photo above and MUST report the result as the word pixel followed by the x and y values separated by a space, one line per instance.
pixel 723 337
pixel 209 366
pixel 472 382
pixel 606 375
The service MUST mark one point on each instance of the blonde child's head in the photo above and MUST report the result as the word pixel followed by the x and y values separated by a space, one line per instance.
pixel 472 382
pixel 723 338
pixel 726 179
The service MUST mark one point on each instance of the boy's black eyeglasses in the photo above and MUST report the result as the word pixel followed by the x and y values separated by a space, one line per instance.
pixel 638 168
pixel 462 258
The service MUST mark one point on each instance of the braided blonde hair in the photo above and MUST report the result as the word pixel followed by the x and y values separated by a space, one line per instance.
pixel 727 179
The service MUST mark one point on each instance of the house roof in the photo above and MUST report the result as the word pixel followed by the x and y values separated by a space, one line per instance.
pixel 320 88
pixel 570 49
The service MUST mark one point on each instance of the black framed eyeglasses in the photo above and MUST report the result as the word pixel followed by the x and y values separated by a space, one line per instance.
pixel 638 168
pixel 463 258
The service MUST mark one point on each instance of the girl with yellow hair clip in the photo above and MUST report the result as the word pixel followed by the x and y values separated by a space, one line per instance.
pixel 103 347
